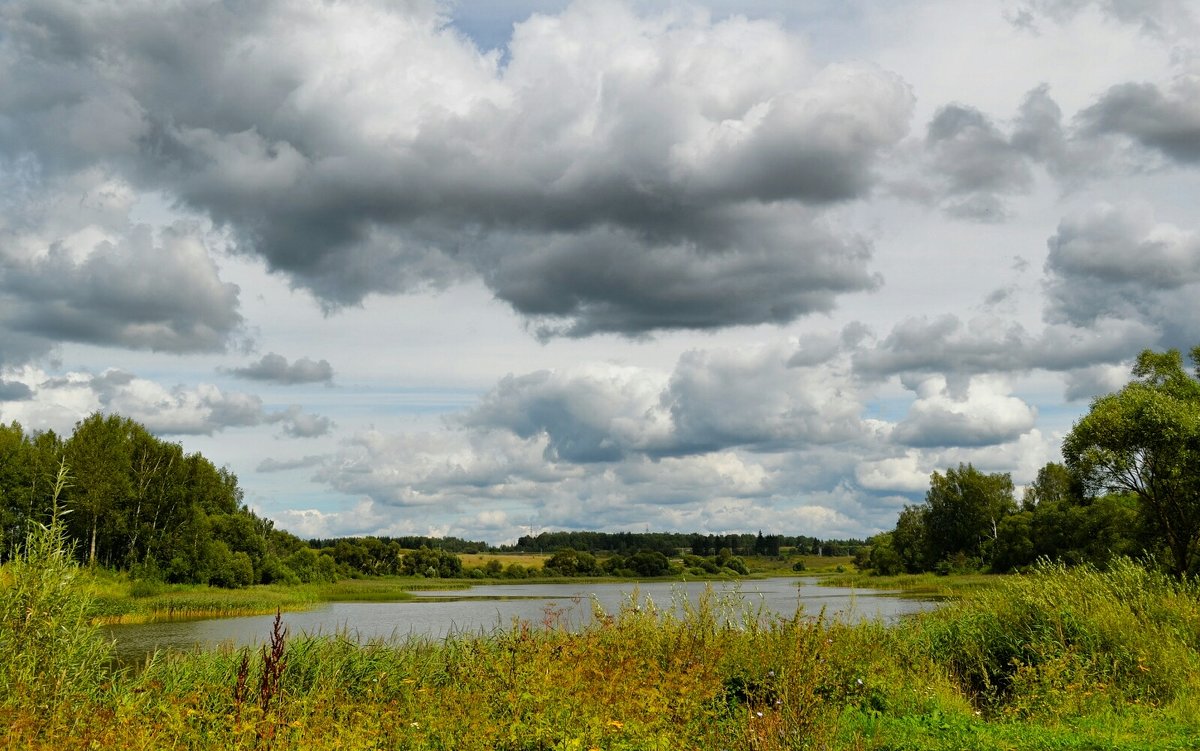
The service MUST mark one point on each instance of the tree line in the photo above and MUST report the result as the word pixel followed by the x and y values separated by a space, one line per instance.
pixel 141 504
pixel 136 502
pixel 1129 486
pixel 673 544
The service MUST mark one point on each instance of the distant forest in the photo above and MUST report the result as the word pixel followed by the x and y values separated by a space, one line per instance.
pixel 134 502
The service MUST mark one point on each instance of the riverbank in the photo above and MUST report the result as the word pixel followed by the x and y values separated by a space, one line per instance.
pixel 1063 659
pixel 118 599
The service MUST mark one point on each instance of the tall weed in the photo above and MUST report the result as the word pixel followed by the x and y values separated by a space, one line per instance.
pixel 51 652
pixel 1064 639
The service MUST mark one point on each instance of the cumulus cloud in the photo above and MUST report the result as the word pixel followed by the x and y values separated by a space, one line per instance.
pixel 596 413
pixel 971 164
pixel 500 481
pixel 605 138
pixel 276 369
pixel 1119 263
pixel 444 469
pixel 946 346
pixel 297 423
pixel 1086 383
pixel 202 410
pixel 1166 122
pixel 713 400
pixel 751 397
pixel 137 292
pixel 975 159
pixel 904 473
pixel 985 415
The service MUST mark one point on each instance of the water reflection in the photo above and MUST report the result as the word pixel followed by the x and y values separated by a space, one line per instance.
pixel 486 608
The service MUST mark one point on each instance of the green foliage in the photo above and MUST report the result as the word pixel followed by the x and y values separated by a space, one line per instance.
pixel 1063 658
pixel 52 653
pixel 1145 440
pixel 139 504
pixel 1065 640
pixel 963 510
pixel 431 563
pixel 969 521
pixel 567 562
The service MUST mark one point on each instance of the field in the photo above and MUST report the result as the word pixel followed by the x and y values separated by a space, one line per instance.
pixel 478 560
pixel 1057 659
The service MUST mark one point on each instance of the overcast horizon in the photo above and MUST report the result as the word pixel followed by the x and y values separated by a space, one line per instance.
pixel 478 269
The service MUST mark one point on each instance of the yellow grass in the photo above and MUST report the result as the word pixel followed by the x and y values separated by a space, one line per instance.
pixel 477 560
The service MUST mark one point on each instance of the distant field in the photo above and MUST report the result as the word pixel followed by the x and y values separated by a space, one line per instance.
pixel 476 560
pixel 822 564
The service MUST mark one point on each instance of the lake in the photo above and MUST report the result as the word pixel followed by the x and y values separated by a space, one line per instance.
pixel 485 608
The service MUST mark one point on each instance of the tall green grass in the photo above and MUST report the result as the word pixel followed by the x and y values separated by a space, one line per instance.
pixel 50 653
pixel 1069 640
pixel 1061 658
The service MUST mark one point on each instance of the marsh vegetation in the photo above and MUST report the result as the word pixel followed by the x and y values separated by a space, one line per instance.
pixel 1057 658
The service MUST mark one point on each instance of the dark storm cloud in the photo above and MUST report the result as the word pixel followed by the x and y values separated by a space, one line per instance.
pixel 138 294
pixel 14 391
pixel 614 280
pixel 603 142
pixel 276 369
pixel 1168 123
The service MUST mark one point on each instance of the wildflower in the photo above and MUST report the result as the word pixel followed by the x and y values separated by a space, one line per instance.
pixel 616 724
pixel 758 714
pixel 859 681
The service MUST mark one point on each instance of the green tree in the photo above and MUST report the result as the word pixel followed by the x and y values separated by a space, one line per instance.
pixel 648 563
pixel 98 453
pixel 964 510
pixel 910 540
pixel 432 563
pixel 1054 483
pixel 1145 440
pixel 568 562
pixel 881 556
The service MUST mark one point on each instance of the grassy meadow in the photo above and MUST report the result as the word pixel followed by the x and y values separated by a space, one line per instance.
pixel 1056 659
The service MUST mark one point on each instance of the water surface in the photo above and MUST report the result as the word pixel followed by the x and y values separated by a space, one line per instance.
pixel 482 609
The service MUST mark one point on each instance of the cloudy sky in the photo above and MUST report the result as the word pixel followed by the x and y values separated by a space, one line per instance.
pixel 479 268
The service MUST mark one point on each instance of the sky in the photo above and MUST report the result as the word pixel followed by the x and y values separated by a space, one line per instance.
pixel 491 268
